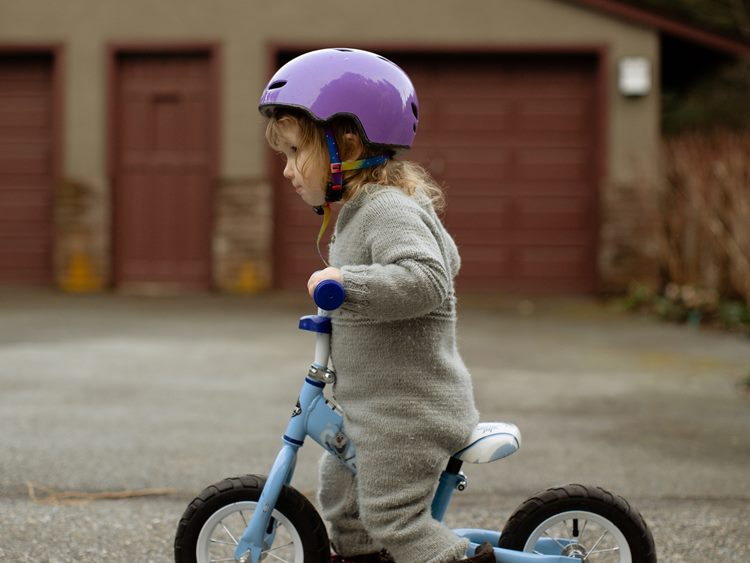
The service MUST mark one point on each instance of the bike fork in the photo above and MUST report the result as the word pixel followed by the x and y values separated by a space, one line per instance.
pixel 258 532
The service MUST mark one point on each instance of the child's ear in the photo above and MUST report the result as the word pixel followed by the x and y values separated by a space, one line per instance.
pixel 353 147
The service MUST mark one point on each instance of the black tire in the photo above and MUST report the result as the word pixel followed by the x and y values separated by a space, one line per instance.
pixel 581 515
pixel 301 532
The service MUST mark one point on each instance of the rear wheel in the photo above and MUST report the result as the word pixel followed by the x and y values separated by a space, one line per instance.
pixel 578 521
pixel 212 524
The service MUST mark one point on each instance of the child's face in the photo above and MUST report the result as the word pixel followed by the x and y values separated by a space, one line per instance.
pixel 306 175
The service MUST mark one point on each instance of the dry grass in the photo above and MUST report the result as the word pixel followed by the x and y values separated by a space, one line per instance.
pixel 702 214
pixel 44 495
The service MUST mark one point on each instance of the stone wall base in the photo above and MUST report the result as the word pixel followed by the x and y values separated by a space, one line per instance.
pixel 81 248
pixel 242 243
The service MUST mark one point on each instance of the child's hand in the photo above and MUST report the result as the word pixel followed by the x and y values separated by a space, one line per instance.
pixel 322 275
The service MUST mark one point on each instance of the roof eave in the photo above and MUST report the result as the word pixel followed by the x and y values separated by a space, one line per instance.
pixel 670 26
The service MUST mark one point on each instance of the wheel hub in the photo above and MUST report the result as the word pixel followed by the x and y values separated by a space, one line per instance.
pixel 575 550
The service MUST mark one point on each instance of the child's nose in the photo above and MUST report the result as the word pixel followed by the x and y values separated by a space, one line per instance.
pixel 288 170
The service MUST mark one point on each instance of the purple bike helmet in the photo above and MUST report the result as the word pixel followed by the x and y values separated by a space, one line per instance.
pixel 369 88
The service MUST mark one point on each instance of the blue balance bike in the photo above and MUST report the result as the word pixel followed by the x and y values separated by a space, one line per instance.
pixel 255 518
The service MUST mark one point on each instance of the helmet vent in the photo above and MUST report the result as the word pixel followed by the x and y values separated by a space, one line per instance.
pixel 414 110
pixel 278 84
pixel 344 50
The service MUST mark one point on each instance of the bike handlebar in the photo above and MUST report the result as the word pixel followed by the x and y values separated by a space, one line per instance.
pixel 329 295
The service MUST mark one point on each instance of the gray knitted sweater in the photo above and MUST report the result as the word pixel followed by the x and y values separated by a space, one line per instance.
pixel 394 344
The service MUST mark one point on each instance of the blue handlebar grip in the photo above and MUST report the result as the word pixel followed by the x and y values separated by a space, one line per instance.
pixel 329 295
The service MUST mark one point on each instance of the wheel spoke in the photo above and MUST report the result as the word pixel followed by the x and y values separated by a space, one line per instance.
pixel 272 554
pixel 222 542
pixel 229 533
pixel 562 545
pixel 583 529
pixel 600 551
pixel 593 548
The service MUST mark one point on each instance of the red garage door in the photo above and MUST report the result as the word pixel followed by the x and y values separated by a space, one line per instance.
pixel 514 139
pixel 163 171
pixel 26 169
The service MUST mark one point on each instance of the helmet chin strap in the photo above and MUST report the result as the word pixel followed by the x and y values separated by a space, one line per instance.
pixel 335 188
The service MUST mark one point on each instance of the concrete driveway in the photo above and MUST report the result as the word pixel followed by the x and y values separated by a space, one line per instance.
pixel 117 394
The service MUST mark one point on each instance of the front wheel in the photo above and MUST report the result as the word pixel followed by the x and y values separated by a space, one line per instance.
pixel 578 521
pixel 212 524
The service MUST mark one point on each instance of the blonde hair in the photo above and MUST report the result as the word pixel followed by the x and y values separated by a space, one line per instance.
pixel 409 177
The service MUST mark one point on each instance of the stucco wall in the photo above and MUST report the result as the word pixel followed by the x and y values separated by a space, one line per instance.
pixel 245 30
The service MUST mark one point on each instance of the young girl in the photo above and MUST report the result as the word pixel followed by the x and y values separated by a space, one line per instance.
pixel 339 116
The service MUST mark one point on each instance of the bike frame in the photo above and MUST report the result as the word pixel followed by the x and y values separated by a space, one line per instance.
pixel 316 417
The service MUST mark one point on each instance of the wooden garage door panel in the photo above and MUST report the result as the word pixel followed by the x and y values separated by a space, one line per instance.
pixel 26 157
pixel 466 117
pixel 521 127
pixel 163 171
pixel 534 262
pixel 167 131
pixel 553 214
pixel 26 173
pixel 175 253
pixel 553 163
pixel 527 270
pixel 19 218
pixel 491 203
pixel 554 116
pixel 459 164
pixel 18 190
pixel 22 120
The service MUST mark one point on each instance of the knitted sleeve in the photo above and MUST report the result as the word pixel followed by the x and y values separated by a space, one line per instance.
pixel 408 276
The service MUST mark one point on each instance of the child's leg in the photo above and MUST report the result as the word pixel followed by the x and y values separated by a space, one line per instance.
pixel 396 480
pixel 338 502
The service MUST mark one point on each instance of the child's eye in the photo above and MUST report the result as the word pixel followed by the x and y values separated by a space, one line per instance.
pixel 293 149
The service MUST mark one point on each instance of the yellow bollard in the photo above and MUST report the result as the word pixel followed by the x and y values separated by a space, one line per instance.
pixel 80 276
pixel 248 280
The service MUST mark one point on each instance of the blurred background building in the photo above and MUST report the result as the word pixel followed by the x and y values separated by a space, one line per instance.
pixel 132 155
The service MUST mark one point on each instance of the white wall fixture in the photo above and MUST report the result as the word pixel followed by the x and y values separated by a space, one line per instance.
pixel 634 76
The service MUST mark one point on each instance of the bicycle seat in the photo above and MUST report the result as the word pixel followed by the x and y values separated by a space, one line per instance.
pixel 490 441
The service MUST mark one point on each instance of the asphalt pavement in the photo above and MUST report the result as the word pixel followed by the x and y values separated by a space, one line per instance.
pixel 116 410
